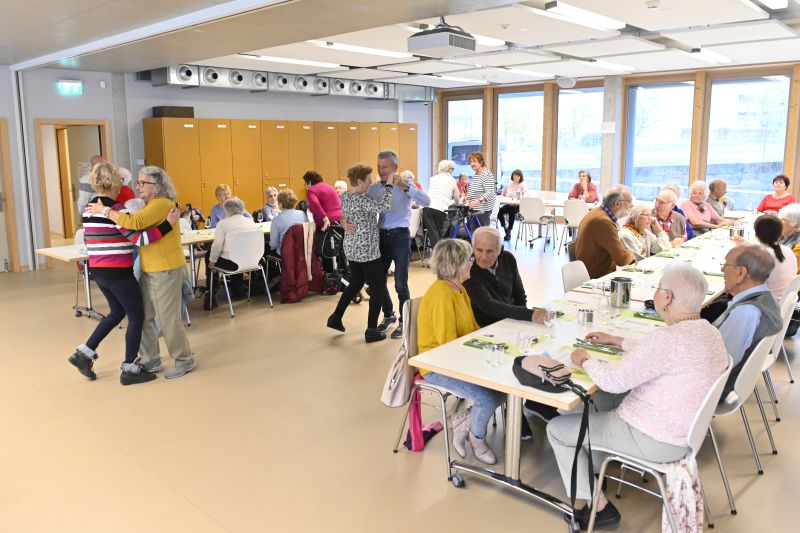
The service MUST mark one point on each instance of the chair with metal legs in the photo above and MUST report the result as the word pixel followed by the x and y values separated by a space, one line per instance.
pixel 793 287
pixel 788 303
pixel 574 212
pixel 533 213
pixel 247 249
pixel 697 433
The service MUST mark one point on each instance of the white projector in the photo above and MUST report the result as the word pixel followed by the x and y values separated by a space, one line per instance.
pixel 441 42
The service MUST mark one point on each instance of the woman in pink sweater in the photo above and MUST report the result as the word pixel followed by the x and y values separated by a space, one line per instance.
pixel 651 396
pixel 323 200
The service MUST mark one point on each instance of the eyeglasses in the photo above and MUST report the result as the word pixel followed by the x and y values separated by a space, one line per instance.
pixel 140 183
pixel 723 265
pixel 655 287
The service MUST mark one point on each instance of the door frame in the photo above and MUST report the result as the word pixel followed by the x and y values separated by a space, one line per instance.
pixel 8 187
pixel 105 149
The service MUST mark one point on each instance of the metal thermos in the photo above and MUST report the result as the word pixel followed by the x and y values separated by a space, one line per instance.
pixel 620 292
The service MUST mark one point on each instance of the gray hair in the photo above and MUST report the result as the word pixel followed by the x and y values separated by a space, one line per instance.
pixel 613 196
pixel 445 165
pixel 233 206
pixel 448 256
pixel 687 284
pixel 269 190
pixel 697 184
pixel 162 182
pixel 638 209
pixel 388 154
pixel 758 262
pixel 407 174
pixel 715 183
pixel 669 192
pixel 488 231
pixel 674 187
pixel 790 213
pixel 124 176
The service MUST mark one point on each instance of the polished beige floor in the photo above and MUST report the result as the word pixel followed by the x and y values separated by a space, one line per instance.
pixel 280 429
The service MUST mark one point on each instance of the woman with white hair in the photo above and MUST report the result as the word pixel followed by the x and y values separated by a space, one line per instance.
pixel 341 187
pixel 272 208
pixel 125 191
pixel 445 314
pixel 219 255
pixel 651 395
pixel 642 234
pixel 790 219
pixel 699 212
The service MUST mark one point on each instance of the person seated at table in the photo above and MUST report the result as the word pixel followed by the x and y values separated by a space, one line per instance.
pixel 288 217
pixel 753 313
pixel 779 198
pixel 598 244
pixel 234 222
pixel 411 178
pixel 272 208
pixel 584 190
pixel 222 192
pixel 443 192
pixel 716 196
pixel 699 212
pixel 341 187
pixel 463 187
pixel 672 222
pixel 790 219
pixel 642 234
pixel 768 232
pixel 649 397
pixel 675 188
pixel 508 212
pixel 445 314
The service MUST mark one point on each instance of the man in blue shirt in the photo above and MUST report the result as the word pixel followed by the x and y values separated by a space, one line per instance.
pixel 394 233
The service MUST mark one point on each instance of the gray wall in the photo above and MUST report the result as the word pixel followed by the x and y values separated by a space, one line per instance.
pixel 17 194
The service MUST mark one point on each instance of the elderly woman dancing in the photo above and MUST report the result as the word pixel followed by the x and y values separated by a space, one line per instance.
pixel 661 382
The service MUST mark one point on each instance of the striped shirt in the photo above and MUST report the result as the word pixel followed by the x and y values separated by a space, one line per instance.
pixel 110 247
pixel 483 187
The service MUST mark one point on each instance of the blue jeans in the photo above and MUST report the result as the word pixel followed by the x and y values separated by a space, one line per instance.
pixel 396 246
pixel 486 400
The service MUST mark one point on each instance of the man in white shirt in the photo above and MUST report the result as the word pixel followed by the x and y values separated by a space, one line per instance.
pixel 443 192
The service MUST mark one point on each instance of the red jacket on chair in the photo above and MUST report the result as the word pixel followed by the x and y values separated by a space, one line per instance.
pixel 295 284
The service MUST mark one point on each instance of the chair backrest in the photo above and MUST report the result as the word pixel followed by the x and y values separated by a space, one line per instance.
pixel 410 312
pixel 792 287
pixel 531 209
pixel 787 308
pixel 571 251
pixel 413 225
pixel 495 210
pixel 699 427
pixel 247 248
pixel 574 211
pixel 574 274
pixel 746 380
pixel 79 238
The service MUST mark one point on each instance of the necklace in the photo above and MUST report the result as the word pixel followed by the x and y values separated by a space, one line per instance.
pixel 455 286
pixel 688 317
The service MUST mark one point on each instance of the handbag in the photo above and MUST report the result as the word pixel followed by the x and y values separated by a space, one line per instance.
pixel 399 380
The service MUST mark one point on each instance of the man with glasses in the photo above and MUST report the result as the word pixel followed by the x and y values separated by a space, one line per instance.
pixel 598 244
pixel 672 222
pixel 443 192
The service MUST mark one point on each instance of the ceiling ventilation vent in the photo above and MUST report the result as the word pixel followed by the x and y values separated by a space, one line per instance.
pixel 186 75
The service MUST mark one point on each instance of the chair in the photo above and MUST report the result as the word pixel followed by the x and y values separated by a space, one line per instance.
pixel 697 433
pixel 788 302
pixel 574 274
pixel 794 286
pixel 495 211
pixel 247 249
pixel 744 387
pixel 574 211
pixel 571 251
pixel 533 213
pixel 414 226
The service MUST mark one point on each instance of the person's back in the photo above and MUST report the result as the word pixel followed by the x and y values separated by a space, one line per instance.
pixel 281 224
pixel 442 191
pixel 783 273
pixel 324 201
pixel 598 244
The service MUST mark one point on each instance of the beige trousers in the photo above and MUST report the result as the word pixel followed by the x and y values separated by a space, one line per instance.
pixel 161 295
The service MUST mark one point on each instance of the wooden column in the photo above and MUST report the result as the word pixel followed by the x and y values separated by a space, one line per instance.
pixel 791 152
pixel 700 116
pixel 612 143
pixel 488 129
pixel 437 132
pixel 549 137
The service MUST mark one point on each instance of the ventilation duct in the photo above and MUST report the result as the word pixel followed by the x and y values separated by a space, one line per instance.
pixel 186 75
pixel 217 77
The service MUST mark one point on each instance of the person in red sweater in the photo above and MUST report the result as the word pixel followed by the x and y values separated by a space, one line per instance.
pixel 584 190
pixel 323 200
pixel 125 192
pixel 778 199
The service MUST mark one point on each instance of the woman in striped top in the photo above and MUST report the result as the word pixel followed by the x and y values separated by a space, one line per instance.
pixel 110 250
pixel 482 192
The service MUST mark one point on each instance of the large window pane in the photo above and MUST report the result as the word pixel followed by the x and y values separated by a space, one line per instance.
pixel 746 136
pixel 519 137
pixel 580 114
pixel 464 132
pixel 659 137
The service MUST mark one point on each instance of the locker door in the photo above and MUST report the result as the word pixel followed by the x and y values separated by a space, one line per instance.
pixel 390 137
pixel 246 154
pixel 369 144
pixel 216 158
pixel 181 152
pixel 301 154
pixel 349 155
pixel 408 148
pixel 275 150
pixel 325 151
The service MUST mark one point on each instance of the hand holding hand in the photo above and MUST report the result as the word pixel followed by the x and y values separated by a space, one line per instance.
pixel 173 216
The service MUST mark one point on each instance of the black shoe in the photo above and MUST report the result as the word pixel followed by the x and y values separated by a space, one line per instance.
pixel 83 363
pixel 386 322
pixel 398 332
pixel 132 378
pixel 609 516
pixel 373 335
pixel 527 432
pixel 507 237
pixel 543 412
pixel 334 322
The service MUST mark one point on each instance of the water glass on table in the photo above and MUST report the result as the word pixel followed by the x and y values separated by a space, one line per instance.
pixel 523 341
pixel 550 316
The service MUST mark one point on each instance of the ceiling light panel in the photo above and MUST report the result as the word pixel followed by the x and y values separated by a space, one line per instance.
pixel 503 59
pixel 330 45
pixel 733 33
pixel 760 52
pixel 672 14
pixel 572 68
pixel 428 67
pixel 583 16
pixel 438 82
pixel 249 63
pixel 308 51
pixel 499 75
pixel 659 61
pixel 607 47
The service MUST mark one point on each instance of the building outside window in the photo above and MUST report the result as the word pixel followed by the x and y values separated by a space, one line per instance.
pixel 580 115
pixel 464 132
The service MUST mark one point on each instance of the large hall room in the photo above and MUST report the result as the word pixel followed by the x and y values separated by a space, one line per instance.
pixel 362 266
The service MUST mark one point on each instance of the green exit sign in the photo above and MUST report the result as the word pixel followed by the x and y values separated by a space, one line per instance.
pixel 70 87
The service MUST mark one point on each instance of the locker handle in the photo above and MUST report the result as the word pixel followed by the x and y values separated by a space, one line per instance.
pixel 353 127
pixel 306 127
pixel 252 126
pixel 330 127
pixel 188 125
pixel 222 126
pixel 280 127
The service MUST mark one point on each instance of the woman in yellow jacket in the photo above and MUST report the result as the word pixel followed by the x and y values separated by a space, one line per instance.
pixel 445 314
pixel 163 267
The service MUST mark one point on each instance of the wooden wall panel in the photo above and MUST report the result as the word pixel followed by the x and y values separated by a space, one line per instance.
pixel 301 154
pixel 369 144
pixel 408 148
pixel 326 151
pixel 216 157
pixel 348 147
pixel 181 157
pixel 246 162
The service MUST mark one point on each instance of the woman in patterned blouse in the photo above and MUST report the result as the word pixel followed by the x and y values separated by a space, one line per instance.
pixel 362 248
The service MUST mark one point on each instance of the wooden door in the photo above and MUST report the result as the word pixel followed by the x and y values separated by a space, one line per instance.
pixel 369 144
pixel 348 147
pixel 326 153
pixel 246 157
pixel 65 183
pixel 301 154
pixel 216 158
pixel 275 150
pixel 390 137
pixel 408 148
pixel 181 157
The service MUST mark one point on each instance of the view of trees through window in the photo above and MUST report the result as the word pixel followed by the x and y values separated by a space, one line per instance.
pixel 464 132
pixel 519 137
pixel 580 115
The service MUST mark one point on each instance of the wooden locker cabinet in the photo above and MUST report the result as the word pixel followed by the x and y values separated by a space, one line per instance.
pixel 275 149
pixel 390 137
pixel 408 148
pixel 326 152
pixel 301 154
pixel 348 147
pixel 216 158
pixel 246 157
pixel 369 144
pixel 174 145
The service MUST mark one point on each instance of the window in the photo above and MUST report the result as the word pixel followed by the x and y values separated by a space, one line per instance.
pixel 746 136
pixel 659 137
pixel 519 137
pixel 580 115
pixel 464 132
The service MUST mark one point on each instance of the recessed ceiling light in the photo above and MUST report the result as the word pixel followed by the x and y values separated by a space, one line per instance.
pixel 361 49
pixel 289 61
pixel 455 78
pixel 582 17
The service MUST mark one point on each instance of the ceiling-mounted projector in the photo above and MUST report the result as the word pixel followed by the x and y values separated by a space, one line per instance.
pixel 442 41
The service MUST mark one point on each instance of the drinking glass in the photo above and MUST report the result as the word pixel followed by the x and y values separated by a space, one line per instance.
pixel 523 341
pixel 549 316
pixel 488 354
pixel 498 356
pixel 260 217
